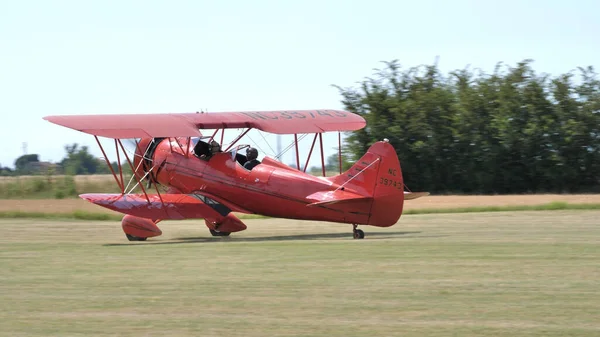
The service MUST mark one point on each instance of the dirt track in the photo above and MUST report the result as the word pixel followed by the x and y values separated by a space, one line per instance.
pixel 69 205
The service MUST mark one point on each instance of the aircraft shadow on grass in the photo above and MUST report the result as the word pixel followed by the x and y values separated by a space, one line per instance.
pixel 320 236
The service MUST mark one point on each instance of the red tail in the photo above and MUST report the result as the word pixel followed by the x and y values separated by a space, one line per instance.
pixel 377 174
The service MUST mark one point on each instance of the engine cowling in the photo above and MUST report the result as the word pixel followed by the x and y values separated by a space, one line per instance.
pixel 140 227
pixel 144 157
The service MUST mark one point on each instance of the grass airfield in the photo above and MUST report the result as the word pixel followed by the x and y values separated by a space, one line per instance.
pixel 475 274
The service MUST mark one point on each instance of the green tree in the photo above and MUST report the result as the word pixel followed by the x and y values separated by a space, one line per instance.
pixel 511 131
pixel 23 163
pixel 6 171
pixel 79 161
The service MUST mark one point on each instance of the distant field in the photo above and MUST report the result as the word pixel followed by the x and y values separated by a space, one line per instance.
pixel 41 194
pixel 59 186
pixel 486 274
pixel 80 179
pixel 70 205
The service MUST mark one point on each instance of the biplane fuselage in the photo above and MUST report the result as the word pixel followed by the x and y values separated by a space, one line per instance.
pixel 271 188
pixel 214 185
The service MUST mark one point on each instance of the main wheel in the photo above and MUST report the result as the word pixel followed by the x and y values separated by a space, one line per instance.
pixel 134 238
pixel 359 234
pixel 217 233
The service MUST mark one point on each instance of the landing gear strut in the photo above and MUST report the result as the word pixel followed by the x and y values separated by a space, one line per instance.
pixel 358 233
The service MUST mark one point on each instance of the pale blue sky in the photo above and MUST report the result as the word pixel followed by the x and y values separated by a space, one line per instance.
pixel 87 57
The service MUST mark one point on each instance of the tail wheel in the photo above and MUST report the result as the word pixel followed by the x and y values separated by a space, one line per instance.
pixel 358 233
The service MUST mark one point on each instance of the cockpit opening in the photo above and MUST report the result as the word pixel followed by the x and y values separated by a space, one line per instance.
pixel 204 150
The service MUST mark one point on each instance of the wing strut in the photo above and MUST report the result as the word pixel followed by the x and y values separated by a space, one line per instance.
pixel 236 140
pixel 187 149
pixel 213 136
pixel 340 150
pixel 322 154
pixel 310 152
pixel 121 181
pixel 110 166
pixel 133 171
pixel 297 151
pixel 119 161
pixel 180 146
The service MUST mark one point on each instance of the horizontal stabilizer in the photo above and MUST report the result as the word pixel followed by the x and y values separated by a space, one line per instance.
pixel 414 195
pixel 163 206
pixel 335 197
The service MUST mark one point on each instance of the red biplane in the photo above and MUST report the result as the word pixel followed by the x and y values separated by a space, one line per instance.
pixel 203 181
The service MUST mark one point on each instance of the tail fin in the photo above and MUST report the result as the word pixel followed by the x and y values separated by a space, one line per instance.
pixel 377 174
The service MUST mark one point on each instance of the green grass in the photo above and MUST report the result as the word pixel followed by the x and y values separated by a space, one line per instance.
pixel 553 206
pixel 83 215
pixel 478 274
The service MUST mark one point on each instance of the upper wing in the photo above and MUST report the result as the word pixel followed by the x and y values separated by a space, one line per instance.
pixel 187 124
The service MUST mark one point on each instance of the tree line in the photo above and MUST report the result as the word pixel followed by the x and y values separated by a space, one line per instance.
pixel 511 131
pixel 77 161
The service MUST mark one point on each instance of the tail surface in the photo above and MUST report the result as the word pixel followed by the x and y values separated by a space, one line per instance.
pixel 378 176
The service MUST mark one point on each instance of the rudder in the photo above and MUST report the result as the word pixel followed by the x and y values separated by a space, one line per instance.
pixel 377 174
pixel 388 196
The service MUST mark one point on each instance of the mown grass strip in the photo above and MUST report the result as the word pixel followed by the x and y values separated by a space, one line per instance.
pixel 553 206
pixel 83 215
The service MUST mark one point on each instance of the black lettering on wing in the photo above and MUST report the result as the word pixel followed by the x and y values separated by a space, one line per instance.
pixel 296 114
pixel 253 115
pixel 324 113
pixel 269 115
pixel 285 115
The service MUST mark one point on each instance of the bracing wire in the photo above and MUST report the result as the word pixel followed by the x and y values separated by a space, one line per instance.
pixel 291 145
pixel 269 145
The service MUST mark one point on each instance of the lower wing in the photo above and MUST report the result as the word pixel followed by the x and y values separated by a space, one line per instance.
pixel 160 207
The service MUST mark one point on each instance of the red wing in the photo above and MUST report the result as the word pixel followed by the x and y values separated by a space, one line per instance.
pixel 172 206
pixel 187 124
pixel 129 126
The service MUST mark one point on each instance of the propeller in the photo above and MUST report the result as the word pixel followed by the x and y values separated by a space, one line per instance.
pixel 130 145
